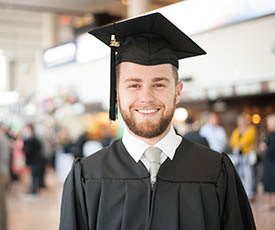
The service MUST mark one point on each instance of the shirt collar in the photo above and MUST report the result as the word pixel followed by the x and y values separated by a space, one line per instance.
pixel 169 143
pixel 136 147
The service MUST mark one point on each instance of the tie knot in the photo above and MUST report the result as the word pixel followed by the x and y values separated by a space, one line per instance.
pixel 153 154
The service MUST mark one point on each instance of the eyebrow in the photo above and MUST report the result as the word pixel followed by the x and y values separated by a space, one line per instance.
pixel 133 79
pixel 156 79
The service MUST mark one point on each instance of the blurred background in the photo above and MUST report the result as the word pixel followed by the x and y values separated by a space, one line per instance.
pixel 54 94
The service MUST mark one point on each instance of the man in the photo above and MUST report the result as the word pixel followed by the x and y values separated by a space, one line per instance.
pixel 193 135
pixel 34 158
pixel 214 133
pixel 130 185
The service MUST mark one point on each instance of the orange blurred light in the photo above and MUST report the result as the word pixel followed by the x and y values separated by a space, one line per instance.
pixel 65 20
pixel 256 118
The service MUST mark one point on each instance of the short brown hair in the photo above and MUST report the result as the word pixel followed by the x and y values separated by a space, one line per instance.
pixel 175 74
pixel 174 70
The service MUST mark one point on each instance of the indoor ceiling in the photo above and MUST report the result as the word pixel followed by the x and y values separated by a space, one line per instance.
pixel 72 7
pixel 22 21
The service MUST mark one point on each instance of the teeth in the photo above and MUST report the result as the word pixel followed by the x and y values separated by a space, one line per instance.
pixel 148 111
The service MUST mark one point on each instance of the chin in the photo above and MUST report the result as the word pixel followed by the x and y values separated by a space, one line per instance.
pixel 149 128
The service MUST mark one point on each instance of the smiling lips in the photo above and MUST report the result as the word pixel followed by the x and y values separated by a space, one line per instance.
pixel 147 111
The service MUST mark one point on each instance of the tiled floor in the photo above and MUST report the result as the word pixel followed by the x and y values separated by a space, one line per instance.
pixel 42 212
pixel 265 220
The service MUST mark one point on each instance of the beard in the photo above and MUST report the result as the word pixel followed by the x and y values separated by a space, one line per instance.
pixel 148 128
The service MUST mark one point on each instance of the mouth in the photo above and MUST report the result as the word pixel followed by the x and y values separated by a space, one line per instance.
pixel 147 112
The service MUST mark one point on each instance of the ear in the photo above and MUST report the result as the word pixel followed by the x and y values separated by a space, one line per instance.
pixel 178 91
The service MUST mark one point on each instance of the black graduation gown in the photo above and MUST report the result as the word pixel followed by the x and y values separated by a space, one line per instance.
pixel 198 190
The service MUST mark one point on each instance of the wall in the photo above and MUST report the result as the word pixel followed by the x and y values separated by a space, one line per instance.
pixel 235 54
pixel 90 80
pixel 22 76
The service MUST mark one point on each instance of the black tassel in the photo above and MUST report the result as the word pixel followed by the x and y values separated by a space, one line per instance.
pixel 114 44
pixel 113 100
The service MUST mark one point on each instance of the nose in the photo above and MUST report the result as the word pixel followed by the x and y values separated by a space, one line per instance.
pixel 147 95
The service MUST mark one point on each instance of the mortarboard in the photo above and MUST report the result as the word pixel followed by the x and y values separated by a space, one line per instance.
pixel 147 40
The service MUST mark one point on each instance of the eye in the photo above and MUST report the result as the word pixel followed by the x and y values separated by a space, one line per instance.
pixel 158 85
pixel 134 86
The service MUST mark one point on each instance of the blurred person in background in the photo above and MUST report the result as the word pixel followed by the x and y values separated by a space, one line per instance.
pixel 4 176
pixel 82 139
pixel 106 137
pixel 19 167
pixel 269 163
pixel 152 178
pixel 9 133
pixel 243 144
pixel 3 208
pixel 65 142
pixel 90 147
pixel 214 133
pixel 44 136
pixel 65 153
pixel 34 158
pixel 92 143
pixel 192 134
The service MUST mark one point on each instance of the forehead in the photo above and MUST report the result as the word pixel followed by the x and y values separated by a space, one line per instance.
pixel 131 70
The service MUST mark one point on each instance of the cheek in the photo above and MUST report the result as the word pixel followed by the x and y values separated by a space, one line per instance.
pixel 125 98
pixel 168 100
pixel 170 96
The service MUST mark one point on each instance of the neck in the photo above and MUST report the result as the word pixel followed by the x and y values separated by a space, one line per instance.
pixel 243 129
pixel 152 141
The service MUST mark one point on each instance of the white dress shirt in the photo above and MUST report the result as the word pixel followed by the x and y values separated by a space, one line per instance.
pixel 136 147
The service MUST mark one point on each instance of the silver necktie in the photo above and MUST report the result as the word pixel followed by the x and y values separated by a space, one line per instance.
pixel 152 154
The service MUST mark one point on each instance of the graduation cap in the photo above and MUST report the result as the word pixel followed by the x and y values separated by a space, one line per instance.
pixel 147 40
